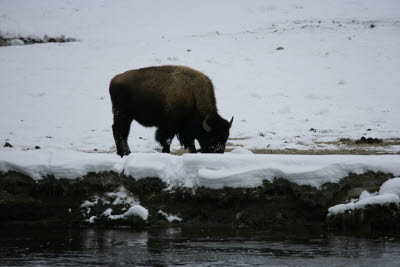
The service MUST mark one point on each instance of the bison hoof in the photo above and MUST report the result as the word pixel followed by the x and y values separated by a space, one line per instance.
pixel 124 153
pixel 192 150
pixel 166 150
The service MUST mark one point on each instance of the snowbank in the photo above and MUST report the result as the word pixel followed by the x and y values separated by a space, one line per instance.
pixel 193 170
pixel 388 193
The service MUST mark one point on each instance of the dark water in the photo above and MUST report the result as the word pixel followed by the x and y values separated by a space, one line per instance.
pixel 192 247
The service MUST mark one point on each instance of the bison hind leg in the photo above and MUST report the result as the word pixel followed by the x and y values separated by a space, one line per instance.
pixel 164 136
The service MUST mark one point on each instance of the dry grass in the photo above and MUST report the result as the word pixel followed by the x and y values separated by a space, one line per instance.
pixel 344 147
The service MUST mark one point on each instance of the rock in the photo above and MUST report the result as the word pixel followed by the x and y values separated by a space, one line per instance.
pixel 280 48
pixel 355 192
pixel 16 42
pixel 37 147
pixel 369 140
pixel 7 144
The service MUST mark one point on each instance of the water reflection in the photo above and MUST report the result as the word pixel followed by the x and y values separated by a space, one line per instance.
pixel 191 247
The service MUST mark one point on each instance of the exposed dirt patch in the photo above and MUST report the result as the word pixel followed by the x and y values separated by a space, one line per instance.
pixel 369 140
pixel 6 40
pixel 353 151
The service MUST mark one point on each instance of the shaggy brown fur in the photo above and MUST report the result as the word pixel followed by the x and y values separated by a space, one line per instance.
pixel 176 99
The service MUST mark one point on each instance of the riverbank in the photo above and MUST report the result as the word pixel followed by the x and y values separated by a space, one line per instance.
pixel 102 199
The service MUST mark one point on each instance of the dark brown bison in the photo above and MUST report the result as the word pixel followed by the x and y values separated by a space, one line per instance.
pixel 177 100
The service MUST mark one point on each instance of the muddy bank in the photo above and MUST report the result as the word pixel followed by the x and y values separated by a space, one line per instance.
pixel 85 201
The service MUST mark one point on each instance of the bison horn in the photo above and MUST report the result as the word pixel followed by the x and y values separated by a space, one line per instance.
pixel 230 123
pixel 207 127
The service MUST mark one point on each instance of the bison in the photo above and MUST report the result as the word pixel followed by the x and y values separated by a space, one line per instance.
pixel 177 100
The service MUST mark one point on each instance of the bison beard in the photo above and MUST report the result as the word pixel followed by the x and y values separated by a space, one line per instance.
pixel 177 100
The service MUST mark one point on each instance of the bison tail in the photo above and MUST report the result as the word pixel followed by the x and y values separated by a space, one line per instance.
pixel 114 98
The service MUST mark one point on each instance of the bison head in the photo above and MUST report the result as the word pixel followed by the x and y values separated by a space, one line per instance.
pixel 215 133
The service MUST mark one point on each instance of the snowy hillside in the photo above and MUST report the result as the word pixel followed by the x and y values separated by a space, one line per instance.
pixel 334 76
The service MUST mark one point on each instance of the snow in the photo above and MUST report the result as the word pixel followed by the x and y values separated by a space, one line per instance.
pixel 241 150
pixel 194 170
pixel 87 203
pixel 365 194
pixel 38 163
pixel 120 197
pixel 107 212
pixel 336 74
pixel 390 186
pixel 91 219
pixel 16 42
pixel 170 217
pixel 137 210
pixel 388 193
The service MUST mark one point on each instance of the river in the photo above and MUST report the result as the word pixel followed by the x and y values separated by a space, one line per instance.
pixel 52 246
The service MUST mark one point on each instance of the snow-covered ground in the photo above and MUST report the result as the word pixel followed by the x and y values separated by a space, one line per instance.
pixel 337 72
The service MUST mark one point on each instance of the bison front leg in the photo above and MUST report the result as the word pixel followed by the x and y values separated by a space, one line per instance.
pixel 164 136
pixel 186 139
pixel 121 128
pixel 188 143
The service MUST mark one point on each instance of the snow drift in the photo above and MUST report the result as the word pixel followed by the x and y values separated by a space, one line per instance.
pixel 193 170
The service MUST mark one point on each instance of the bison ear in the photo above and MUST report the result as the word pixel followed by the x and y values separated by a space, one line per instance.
pixel 206 127
pixel 230 123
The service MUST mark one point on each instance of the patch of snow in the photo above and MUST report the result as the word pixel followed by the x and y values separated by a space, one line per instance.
pixel 91 219
pixel 391 186
pixel 381 199
pixel 107 212
pixel 136 210
pixel 122 197
pixel 341 208
pixel 60 163
pixel 365 194
pixel 388 193
pixel 169 217
pixel 87 203
pixel 16 42
pixel 241 150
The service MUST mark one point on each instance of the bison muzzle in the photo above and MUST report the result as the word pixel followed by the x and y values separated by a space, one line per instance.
pixel 177 100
